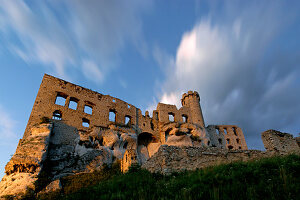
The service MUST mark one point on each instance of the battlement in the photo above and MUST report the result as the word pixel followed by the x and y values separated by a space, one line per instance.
pixel 189 94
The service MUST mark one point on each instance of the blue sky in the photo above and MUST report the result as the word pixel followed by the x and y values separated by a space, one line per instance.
pixel 241 56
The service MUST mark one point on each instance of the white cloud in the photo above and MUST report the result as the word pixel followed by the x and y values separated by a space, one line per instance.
pixel 61 34
pixel 224 61
pixel 91 71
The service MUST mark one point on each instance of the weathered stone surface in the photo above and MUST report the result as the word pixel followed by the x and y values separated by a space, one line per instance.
pixel 277 141
pixel 170 159
pixel 17 183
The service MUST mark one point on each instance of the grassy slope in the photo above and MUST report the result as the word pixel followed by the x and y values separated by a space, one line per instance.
pixel 271 178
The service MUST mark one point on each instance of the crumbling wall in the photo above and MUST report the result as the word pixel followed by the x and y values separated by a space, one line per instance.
pixel 170 159
pixel 276 141
pixel 233 135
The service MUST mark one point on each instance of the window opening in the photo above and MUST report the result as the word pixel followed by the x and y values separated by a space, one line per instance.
pixel 240 147
pixel 73 103
pixel 171 117
pixel 234 131
pixel 225 131
pixel 128 106
pixel 238 141
pixel 208 143
pixel 112 116
pixel 60 99
pixel 127 120
pixel 217 131
pixel 57 115
pixel 228 141
pixel 220 141
pixel 114 100
pixel 184 118
pixel 230 147
pixel 156 115
pixel 88 109
pixel 85 122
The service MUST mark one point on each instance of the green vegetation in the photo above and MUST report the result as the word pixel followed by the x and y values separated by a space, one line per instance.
pixel 269 178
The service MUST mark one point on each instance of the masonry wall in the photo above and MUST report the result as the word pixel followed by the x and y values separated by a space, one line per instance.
pixel 190 113
pixel 276 141
pixel 101 105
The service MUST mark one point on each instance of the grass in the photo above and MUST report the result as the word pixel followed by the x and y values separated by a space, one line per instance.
pixel 269 178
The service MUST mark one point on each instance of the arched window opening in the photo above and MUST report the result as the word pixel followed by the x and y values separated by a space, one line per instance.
pixel 61 99
pixel 220 141
pixel 85 122
pixel 208 143
pixel 127 120
pixel 73 103
pixel 240 147
pixel 112 116
pixel 57 115
pixel 230 147
pixel 217 131
pixel 88 109
pixel 171 117
pixel 237 140
pixel 114 100
pixel 228 141
pixel 225 131
pixel 128 106
pixel 184 118
pixel 234 131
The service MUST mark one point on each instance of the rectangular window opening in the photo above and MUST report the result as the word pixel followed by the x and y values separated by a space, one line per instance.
pixel 171 117
pixel 85 122
pixel 57 115
pixel 61 99
pixel 73 103
pixel 88 109
pixel 112 116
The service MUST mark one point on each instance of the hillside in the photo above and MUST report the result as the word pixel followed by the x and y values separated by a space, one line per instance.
pixel 268 178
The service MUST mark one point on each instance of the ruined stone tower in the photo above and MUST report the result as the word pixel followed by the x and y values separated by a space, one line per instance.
pixel 192 100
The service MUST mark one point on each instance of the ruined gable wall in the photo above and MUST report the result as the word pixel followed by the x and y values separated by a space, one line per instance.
pixel 44 106
pixel 233 135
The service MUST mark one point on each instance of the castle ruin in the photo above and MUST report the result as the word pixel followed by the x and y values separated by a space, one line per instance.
pixel 72 130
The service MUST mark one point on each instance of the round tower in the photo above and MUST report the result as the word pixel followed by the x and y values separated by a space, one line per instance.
pixel 192 100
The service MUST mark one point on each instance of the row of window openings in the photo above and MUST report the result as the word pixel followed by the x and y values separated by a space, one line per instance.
pixel 237 141
pixel 60 100
pixel 172 118
pixel 112 117
pixel 72 104
pixel 226 131
pixel 57 115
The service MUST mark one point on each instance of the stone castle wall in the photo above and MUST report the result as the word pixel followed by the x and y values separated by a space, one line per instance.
pixel 101 106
